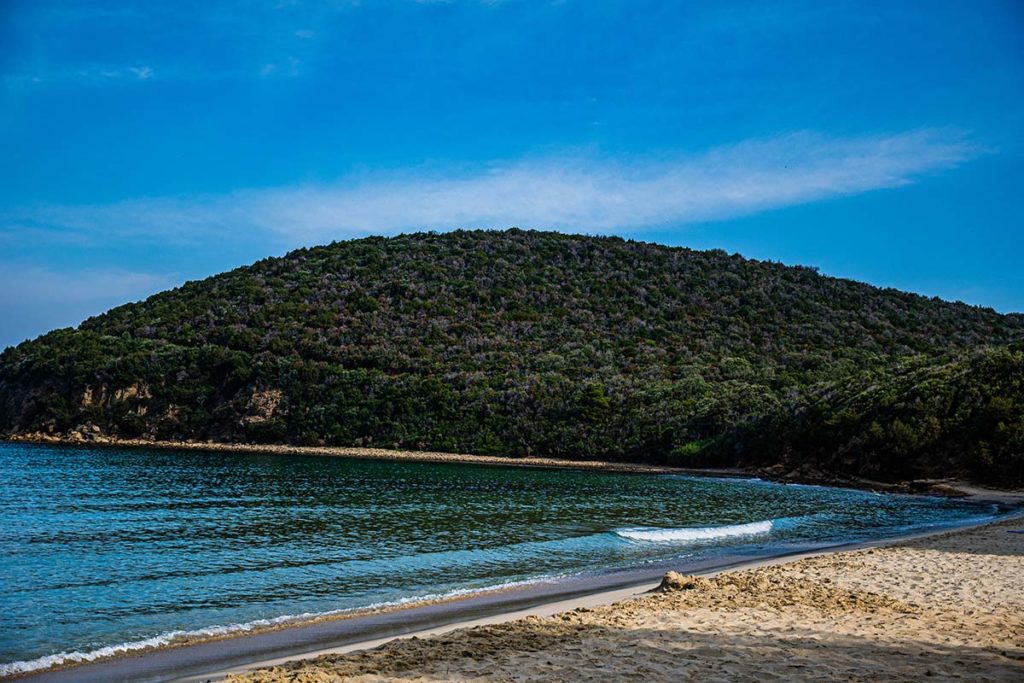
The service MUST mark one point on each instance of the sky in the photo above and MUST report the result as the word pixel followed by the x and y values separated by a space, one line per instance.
pixel 144 144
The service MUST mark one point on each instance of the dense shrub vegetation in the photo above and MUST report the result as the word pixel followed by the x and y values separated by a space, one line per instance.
pixel 539 343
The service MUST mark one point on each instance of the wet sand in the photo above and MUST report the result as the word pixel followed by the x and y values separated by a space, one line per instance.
pixel 943 607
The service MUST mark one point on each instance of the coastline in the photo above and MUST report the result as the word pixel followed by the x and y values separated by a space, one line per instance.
pixel 605 598
pixel 373 454
pixel 949 487
pixel 352 629
pixel 359 626
pixel 214 658
pixel 948 605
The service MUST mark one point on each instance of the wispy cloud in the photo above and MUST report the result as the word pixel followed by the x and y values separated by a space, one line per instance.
pixel 138 73
pixel 90 74
pixel 571 192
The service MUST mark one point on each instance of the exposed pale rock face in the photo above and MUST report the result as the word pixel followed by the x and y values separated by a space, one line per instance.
pixel 102 395
pixel 137 390
pixel 262 406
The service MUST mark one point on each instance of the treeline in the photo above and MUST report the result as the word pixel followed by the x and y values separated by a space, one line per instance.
pixel 922 417
pixel 521 342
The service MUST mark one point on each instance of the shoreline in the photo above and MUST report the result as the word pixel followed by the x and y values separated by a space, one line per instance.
pixel 950 487
pixel 398 455
pixel 947 605
pixel 589 601
pixel 429 614
pixel 213 658
pixel 457 607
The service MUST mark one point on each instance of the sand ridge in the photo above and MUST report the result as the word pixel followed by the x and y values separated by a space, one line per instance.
pixel 947 607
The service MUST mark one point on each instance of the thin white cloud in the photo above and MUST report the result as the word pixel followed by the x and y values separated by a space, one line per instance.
pixel 142 72
pixel 575 192
pixel 88 74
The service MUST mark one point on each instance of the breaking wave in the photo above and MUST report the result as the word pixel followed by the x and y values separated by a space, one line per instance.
pixel 708 533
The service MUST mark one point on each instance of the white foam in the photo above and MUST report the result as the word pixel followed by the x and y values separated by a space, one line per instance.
pixel 48 661
pixel 695 533
pixel 164 639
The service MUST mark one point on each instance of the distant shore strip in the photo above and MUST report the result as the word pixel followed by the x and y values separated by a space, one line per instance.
pixel 376 454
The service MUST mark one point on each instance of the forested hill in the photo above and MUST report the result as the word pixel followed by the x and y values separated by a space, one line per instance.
pixel 524 342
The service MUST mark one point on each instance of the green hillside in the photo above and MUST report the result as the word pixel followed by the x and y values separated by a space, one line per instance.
pixel 523 342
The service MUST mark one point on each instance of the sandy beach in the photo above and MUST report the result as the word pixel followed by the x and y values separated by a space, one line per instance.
pixel 945 607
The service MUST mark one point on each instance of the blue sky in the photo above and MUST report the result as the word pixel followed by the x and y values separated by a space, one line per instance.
pixel 143 144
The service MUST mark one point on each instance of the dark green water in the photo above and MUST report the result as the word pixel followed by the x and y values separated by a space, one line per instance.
pixel 117 548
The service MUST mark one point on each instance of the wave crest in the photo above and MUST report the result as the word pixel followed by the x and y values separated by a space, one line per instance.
pixel 708 533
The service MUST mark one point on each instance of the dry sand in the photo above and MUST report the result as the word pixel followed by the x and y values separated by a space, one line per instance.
pixel 947 607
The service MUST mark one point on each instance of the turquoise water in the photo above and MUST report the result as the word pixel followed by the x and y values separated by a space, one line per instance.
pixel 111 548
